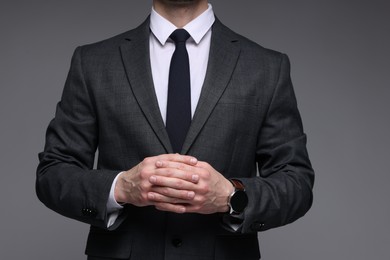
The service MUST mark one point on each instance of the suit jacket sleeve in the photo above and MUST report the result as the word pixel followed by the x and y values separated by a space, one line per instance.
pixel 283 190
pixel 66 181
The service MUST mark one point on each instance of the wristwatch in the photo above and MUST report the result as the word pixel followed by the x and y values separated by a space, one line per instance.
pixel 238 200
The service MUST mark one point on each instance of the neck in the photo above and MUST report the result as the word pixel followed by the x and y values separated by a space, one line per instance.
pixel 179 12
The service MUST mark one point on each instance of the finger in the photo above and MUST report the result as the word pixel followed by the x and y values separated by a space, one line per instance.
pixel 187 159
pixel 183 195
pixel 177 170
pixel 158 198
pixel 203 165
pixel 193 209
pixel 176 208
pixel 174 183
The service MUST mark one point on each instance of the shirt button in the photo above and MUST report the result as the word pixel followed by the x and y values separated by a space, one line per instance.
pixel 176 242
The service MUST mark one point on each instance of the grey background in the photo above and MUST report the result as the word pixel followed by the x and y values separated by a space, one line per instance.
pixel 339 52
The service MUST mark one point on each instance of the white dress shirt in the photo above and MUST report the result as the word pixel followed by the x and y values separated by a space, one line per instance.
pixel 161 51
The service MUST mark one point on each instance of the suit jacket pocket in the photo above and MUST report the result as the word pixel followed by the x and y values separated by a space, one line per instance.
pixel 111 244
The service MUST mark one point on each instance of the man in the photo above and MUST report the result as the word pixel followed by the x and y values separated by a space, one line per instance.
pixel 154 196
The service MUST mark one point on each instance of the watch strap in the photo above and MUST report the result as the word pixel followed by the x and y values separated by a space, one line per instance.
pixel 237 184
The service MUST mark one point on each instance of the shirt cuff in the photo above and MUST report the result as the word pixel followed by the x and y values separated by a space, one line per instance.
pixel 233 223
pixel 113 207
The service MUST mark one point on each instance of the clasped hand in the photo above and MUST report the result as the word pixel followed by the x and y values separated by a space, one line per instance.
pixel 175 183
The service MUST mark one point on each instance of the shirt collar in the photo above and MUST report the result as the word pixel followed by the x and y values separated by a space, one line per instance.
pixel 197 28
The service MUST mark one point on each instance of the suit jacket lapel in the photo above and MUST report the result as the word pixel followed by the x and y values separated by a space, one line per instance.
pixel 135 55
pixel 224 53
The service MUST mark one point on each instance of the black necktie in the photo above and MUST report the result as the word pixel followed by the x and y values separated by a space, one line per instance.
pixel 179 92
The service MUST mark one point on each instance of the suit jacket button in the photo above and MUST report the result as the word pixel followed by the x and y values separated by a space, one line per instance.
pixel 257 226
pixel 89 212
pixel 177 242
pixel 93 213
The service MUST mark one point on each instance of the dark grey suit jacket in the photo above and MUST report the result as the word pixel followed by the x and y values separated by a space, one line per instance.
pixel 246 119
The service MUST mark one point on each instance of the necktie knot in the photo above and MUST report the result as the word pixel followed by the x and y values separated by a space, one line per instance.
pixel 180 35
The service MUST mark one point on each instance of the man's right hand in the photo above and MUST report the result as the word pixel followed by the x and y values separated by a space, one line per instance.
pixel 133 186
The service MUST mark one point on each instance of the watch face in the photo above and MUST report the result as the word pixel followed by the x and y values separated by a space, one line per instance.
pixel 239 201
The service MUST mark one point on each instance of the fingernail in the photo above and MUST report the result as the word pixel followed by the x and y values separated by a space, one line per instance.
pixel 191 194
pixel 193 160
pixel 153 179
pixel 195 178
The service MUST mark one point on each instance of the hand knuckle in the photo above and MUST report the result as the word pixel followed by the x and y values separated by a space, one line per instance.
pixel 198 200
pixel 144 197
pixel 184 195
pixel 148 160
pixel 202 164
pixel 175 201
pixel 144 173
pixel 144 186
pixel 203 173
pixel 204 189
pixel 165 191
pixel 179 184
pixel 170 172
pixel 189 175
